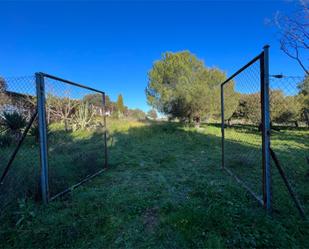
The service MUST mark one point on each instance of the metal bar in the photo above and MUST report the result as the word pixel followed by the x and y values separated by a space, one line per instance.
pixel 264 74
pixel 70 82
pixel 222 126
pixel 40 88
pixel 242 69
pixel 259 199
pixel 6 170
pixel 105 131
pixel 76 185
pixel 287 184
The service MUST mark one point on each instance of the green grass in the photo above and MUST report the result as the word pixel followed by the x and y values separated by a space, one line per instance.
pixel 165 189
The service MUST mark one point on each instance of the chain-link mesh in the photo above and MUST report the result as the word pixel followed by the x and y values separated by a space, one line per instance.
pixel 75 118
pixel 289 111
pixel 17 109
pixel 242 117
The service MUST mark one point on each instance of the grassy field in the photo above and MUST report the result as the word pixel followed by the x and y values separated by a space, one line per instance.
pixel 164 189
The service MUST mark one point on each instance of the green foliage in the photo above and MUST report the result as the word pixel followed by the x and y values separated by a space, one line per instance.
pixel 136 114
pixel 163 189
pixel 231 101
pixel 5 140
pixel 35 132
pixel 303 99
pixel 283 109
pixel 181 86
pixel 15 122
pixel 83 117
pixel 304 86
pixel 96 99
pixel 25 213
pixel 120 105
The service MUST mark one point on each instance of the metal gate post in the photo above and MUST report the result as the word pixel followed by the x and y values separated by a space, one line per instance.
pixel 40 90
pixel 222 127
pixel 264 70
pixel 105 131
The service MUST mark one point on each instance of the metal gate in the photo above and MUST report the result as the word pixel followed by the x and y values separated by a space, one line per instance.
pixel 245 126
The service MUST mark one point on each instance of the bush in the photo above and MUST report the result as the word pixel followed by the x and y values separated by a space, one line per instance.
pixel 15 122
pixel 5 140
pixel 83 117
pixel 34 131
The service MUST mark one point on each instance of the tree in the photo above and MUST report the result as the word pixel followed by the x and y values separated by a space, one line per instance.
pixel 180 86
pixel 231 100
pixel 3 95
pixel 96 99
pixel 120 106
pixel 152 114
pixel 249 108
pixel 303 99
pixel 304 86
pixel 136 114
pixel 3 85
pixel 283 108
pixel 61 108
pixel 294 34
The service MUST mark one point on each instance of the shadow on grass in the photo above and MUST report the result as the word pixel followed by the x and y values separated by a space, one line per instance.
pixel 163 189
pixel 73 156
pixel 158 166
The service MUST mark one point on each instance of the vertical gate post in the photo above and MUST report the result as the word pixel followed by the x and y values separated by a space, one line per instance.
pixel 40 90
pixel 222 127
pixel 264 70
pixel 105 131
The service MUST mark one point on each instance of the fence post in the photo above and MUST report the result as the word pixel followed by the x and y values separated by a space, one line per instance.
pixel 105 131
pixel 40 90
pixel 222 127
pixel 264 70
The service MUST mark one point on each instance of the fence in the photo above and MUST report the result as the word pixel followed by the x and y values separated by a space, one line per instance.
pixel 244 98
pixel 255 106
pixel 289 107
pixel 53 137
pixel 19 157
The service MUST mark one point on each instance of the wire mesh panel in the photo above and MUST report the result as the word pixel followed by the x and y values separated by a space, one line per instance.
pixel 76 145
pixel 242 140
pixel 289 111
pixel 19 157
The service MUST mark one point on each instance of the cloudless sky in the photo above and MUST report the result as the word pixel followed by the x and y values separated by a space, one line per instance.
pixel 112 45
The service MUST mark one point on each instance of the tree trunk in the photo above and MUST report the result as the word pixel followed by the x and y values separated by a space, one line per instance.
pixel 66 125
pixel 197 122
pixel 306 118
pixel 296 123
pixel 229 122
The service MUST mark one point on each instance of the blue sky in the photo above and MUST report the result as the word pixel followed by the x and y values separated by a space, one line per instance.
pixel 112 45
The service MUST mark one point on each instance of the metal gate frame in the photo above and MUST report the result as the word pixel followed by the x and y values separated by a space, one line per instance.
pixel 263 58
pixel 41 107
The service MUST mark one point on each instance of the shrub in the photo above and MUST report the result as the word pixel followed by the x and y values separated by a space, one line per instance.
pixel 15 122
pixel 83 117
pixel 5 140
pixel 34 131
